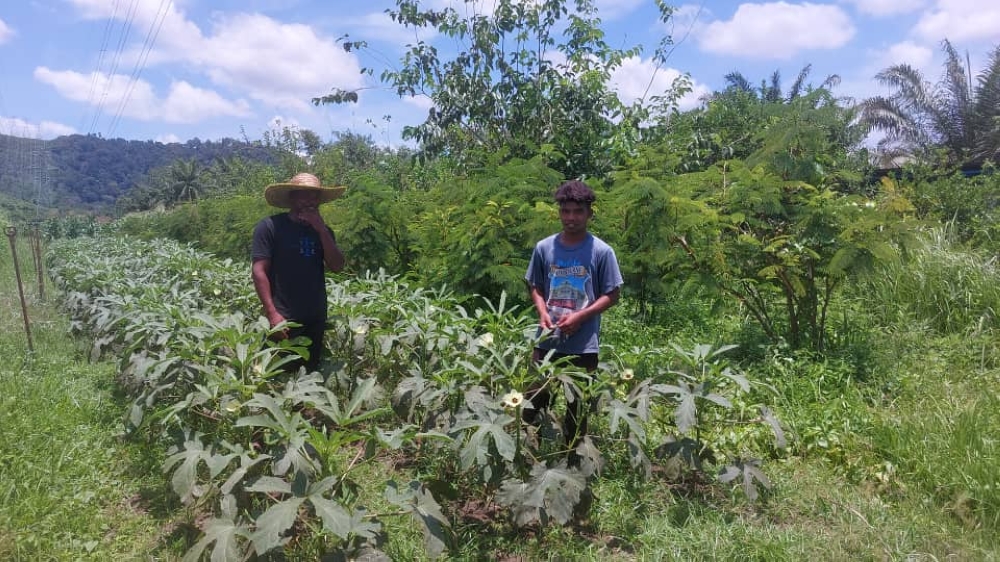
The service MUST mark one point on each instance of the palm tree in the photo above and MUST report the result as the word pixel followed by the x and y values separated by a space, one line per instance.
pixel 959 114
pixel 770 91
pixel 187 180
pixel 987 146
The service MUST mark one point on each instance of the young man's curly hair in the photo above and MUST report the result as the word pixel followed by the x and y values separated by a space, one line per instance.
pixel 575 191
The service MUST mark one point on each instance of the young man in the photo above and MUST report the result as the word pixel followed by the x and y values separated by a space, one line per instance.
pixel 573 277
pixel 291 251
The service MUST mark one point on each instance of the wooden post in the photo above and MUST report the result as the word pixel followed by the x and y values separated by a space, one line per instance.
pixel 36 248
pixel 12 235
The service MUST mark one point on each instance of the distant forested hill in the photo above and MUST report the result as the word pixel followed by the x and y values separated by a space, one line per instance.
pixel 89 173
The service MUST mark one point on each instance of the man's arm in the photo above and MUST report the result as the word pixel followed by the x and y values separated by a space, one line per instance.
pixel 544 320
pixel 262 285
pixel 332 256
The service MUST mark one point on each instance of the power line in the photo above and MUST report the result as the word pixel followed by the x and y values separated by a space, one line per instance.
pixel 122 40
pixel 140 63
pixel 100 62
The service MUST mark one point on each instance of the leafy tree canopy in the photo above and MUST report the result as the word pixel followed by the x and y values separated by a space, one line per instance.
pixel 528 78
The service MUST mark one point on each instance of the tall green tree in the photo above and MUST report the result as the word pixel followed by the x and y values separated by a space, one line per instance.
pixel 776 231
pixel 188 180
pixel 475 233
pixel 732 123
pixel 527 78
pixel 960 114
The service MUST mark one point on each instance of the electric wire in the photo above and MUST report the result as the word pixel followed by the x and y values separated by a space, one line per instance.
pixel 140 63
pixel 122 40
pixel 97 69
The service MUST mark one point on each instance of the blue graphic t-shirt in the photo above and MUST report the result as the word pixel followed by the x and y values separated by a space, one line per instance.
pixel 571 278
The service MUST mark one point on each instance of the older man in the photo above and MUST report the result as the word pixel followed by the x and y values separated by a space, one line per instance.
pixel 291 251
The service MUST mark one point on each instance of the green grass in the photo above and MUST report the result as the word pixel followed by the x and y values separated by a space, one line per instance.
pixel 70 488
pixel 939 284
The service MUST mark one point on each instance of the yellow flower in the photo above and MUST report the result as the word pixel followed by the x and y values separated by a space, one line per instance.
pixel 513 399
pixel 217 292
pixel 628 374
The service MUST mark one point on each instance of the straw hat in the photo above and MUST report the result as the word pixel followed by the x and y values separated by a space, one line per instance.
pixel 277 194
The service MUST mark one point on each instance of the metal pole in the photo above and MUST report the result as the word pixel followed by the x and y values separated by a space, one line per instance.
pixel 11 235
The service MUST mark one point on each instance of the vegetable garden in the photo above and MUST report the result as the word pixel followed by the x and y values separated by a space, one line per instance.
pixel 416 380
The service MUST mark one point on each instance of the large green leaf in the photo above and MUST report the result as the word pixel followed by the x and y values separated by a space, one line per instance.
pixel 621 412
pixel 550 492
pixel 225 533
pixel 185 477
pixel 420 503
pixel 489 429
pixel 686 412
pixel 336 518
pixel 273 523
pixel 750 470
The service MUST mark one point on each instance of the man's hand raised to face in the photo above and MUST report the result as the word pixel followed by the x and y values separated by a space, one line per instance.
pixel 311 216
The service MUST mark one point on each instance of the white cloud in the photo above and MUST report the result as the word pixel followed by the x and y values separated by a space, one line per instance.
pixel 907 52
pixel 637 78
pixel 168 138
pixel 189 104
pixel 420 102
pixel 614 9
pixel 183 104
pixel 282 65
pixel 778 30
pixel 886 7
pixel 378 26
pixel 960 20
pixel 5 32
pixel 171 26
pixel 44 130
pixel 689 18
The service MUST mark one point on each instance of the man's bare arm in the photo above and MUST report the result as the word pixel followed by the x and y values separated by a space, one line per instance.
pixel 262 285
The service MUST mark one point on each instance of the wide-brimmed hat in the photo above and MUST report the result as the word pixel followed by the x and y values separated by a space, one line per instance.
pixel 277 194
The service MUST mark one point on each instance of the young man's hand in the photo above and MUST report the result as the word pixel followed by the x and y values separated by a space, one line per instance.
pixel 545 321
pixel 570 323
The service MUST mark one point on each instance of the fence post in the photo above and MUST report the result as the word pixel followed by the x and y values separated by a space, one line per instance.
pixel 36 248
pixel 11 235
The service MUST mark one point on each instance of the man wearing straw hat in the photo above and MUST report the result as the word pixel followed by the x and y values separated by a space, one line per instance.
pixel 290 252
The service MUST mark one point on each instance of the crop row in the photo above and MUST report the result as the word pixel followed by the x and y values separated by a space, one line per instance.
pixel 434 381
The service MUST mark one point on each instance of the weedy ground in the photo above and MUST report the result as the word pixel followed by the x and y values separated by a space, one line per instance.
pixel 70 488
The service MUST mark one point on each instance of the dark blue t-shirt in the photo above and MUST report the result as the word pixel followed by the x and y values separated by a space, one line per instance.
pixel 298 284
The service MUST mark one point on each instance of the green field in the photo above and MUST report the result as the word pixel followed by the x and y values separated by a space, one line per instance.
pixel 898 464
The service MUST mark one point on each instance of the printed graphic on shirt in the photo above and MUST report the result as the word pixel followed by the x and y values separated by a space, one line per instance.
pixel 307 246
pixel 567 289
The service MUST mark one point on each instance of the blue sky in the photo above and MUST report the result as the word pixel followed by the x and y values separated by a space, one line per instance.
pixel 172 70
